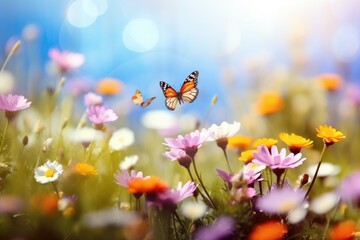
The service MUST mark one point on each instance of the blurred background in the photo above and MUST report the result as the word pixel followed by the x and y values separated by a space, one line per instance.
pixel 235 44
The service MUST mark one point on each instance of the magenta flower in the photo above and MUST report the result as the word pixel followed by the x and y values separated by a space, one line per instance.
pixel 92 99
pixel 190 143
pixel 281 200
pixel 276 160
pixel 225 176
pixel 66 61
pixel 349 189
pixel 13 103
pixel 178 155
pixel 99 114
pixel 248 193
pixel 125 177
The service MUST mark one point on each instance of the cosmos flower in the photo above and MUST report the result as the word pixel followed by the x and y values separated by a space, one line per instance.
pixel 193 210
pixel 268 142
pixel 269 102
pixel 276 159
pixel 178 155
pixel 271 230
pixel 13 103
pixel 295 142
pixel 85 169
pixel 222 228
pixel 121 139
pixel 92 99
pixel 49 172
pixel 281 200
pixel 100 115
pixel 109 86
pixel 66 61
pixel 128 162
pixel 329 134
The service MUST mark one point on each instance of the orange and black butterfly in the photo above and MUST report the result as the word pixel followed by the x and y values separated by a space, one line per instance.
pixel 139 100
pixel 188 91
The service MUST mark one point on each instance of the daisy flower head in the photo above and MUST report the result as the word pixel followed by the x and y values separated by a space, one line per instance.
pixel 269 102
pixel 99 115
pixel 179 155
pixel 268 142
pixel 295 142
pixel 128 162
pixel 223 131
pixel 239 142
pixel 247 156
pixel 12 103
pixel 49 172
pixel 121 139
pixel 66 61
pixel 85 169
pixel 193 210
pixel 329 134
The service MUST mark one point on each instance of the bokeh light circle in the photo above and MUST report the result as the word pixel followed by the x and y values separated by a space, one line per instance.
pixel 78 13
pixel 345 43
pixel 140 35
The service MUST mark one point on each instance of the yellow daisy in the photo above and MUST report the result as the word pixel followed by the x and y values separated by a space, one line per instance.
pixel 295 142
pixel 268 142
pixel 269 102
pixel 329 134
pixel 85 169
pixel 247 156
pixel 240 142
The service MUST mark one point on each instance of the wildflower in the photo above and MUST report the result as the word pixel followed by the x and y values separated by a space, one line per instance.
pixel 330 82
pixel 128 162
pixel 329 134
pixel 324 203
pixel 180 156
pixel 99 115
pixel 223 132
pixel 343 230
pixel 92 99
pixel 239 142
pixel 109 86
pixel 13 103
pixel 325 170
pixel 84 135
pixel 66 61
pixel 222 228
pixel 121 139
pixel 269 102
pixel 251 172
pixel 225 176
pixel 271 230
pixel 125 177
pixel 247 156
pixel 147 185
pixel 281 200
pixel 193 210
pixel 349 189
pixel 190 143
pixel 85 169
pixel 45 203
pixel 268 142
pixel 295 142
pixel 49 172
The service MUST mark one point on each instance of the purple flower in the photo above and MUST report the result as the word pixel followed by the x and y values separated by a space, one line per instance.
pixel 349 189
pixel 222 228
pixel 190 143
pixel 66 61
pixel 180 156
pixel 125 177
pixel 251 172
pixel 276 160
pixel 92 99
pixel 248 193
pixel 281 200
pixel 225 176
pixel 100 115
pixel 13 103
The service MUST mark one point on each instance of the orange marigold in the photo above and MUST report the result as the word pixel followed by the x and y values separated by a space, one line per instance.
pixel 85 169
pixel 295 142
pixel 342 231
pixel 271 230
pixel 269 102
pixel 268 142
pixel 147 185
pixel 247 156
pixel 241 142
pixel 109 86
pixel 329 134
pixel 330 81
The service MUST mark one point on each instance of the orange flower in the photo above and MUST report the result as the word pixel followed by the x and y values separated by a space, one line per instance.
pixel 247 156
pixel 148 185
pixel 295 142
pixel 109 86
pixel 329 134
pixel 268 142
pixel 342 231
pixel 271 230
pixel 330 82
pixel 47 204
pixel 269 102
pixel 85 169
pixel 242 142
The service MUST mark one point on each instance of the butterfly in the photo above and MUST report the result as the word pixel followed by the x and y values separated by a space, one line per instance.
pixel 188 91
pixel 138 99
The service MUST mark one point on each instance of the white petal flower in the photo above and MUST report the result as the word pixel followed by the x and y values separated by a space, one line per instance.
pixel 325 170
pixel 83 135
pixel 49 172
pixel 225 130
pixel 298 214
pixel 121 139
pixel 193 210
pixel 324 203
pixel 159 120
pixel 128 162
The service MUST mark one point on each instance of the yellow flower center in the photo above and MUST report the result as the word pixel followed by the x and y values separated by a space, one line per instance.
pixel 49 173
pixel 287 206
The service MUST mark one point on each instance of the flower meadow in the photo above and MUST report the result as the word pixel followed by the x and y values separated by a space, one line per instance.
pixel 72 166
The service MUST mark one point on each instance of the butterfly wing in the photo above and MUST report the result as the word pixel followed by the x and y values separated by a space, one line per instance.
pixel 171 96
pixel 137 98
pixel 189 91
pixel 147 102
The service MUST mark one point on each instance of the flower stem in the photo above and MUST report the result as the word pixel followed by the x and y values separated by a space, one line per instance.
pixel 56 190
pixel 227 160
pixel 284 178
pixel 11 53
pixel 316 172
pixel 4 134
pixel 180 222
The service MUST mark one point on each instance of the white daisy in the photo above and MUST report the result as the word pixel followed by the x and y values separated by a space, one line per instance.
pixel 324 203
pixel 121 139
pixel 225 130
pixel 128 162
pixel 84 135
pixel 193 210
pixel 325 170
pixel 49 172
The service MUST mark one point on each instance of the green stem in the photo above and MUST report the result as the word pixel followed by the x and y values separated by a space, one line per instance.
pixel 284 178
pixel 4 134
pixel 56 190
pixel 180 222
pixel 316 172
pixel 227 160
